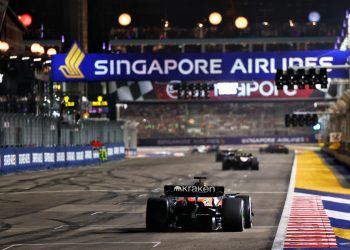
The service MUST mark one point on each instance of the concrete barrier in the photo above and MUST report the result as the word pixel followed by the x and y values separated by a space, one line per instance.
pixel 25 159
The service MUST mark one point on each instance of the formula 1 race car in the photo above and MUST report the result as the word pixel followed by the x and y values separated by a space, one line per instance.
pixel 240 160
pixel 274 148
pixel 220 155
pixel 198 207
pixel 203 149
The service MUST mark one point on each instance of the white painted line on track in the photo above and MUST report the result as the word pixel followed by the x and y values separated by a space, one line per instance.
pixel 259 192
pixel 155 243
pixel 117 212
pixel 95 213
pixel 282 227
pixel 336 199
pixel 338 215
pixel 91 227
pixel 56 228
pixel 78 191
pixel 24 228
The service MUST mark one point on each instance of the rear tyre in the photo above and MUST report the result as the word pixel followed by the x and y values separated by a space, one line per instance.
pixel 157 214
pixel 255 164
pixel 233 214
pixel 226 165
pixel 248 212
pixel 218 157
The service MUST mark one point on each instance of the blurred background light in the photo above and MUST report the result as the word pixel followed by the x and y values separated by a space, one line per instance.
pixel 215 18
pixel 241 22
pixel 314 16
pixel 25 19
pixel 124 19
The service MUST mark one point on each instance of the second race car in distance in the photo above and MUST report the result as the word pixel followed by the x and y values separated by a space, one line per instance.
pixel 274 148
pixel 198 207
pixel 240 161
pixel 203 149
pixel 220 154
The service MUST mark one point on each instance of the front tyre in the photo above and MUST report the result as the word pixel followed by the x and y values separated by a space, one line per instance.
pixel 233 214
pixel 157 214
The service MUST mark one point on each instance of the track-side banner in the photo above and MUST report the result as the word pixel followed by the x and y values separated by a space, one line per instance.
pixel 188 141
pixel 78 66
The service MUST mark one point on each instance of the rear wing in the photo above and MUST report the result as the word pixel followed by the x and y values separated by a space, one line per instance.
pixel 191 191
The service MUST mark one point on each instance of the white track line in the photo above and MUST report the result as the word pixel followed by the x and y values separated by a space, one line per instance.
pixel 116 212
pixel 338 215
pixel 282 226
pixel 77 191
pixel 259 192
pixel 155 244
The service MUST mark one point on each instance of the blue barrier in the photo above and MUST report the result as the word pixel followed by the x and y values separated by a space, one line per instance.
pixel 190 141
pixel 24 159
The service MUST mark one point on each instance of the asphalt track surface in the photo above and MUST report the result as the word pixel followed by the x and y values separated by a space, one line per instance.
pixel 103 207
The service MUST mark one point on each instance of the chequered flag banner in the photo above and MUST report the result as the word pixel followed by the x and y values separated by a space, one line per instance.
pixel 132 90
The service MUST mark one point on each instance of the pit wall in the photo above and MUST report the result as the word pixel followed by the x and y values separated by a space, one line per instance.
pixel 21 159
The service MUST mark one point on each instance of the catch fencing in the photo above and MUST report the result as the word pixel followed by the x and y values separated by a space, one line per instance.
pixel 23 130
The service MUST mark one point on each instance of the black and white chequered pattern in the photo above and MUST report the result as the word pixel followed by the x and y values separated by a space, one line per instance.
pixel 132 90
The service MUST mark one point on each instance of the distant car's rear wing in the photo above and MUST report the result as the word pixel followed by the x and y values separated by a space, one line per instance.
pixel 191 191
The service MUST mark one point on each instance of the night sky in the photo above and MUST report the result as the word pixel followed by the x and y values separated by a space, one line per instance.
pixel 103 14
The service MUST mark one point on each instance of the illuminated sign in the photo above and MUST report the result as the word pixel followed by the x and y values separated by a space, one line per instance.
pixel 102 110
pixel 100 102
pixel 72 62
pixel 68 103
pixel 226 88
pixel 231 66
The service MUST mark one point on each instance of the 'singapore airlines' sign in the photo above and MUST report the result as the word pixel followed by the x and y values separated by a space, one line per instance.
pixel 77 66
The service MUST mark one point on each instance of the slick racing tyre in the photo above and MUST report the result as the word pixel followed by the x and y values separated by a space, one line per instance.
pixel 226 165
pixel 232 214
pixel 255 164
pixel 157 214
pixel 218 157
pixel 248 213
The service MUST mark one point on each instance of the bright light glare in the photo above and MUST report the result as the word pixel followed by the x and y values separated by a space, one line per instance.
pixel 241 22
pixel 215 18
pixel 317 127
pixel 314 16
pixel 124 19
pixel 226 88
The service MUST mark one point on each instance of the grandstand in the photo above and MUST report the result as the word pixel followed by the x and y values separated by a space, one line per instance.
pixel 223 119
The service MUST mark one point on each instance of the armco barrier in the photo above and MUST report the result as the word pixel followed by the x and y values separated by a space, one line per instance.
pixel 24 159
pixel 177 141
